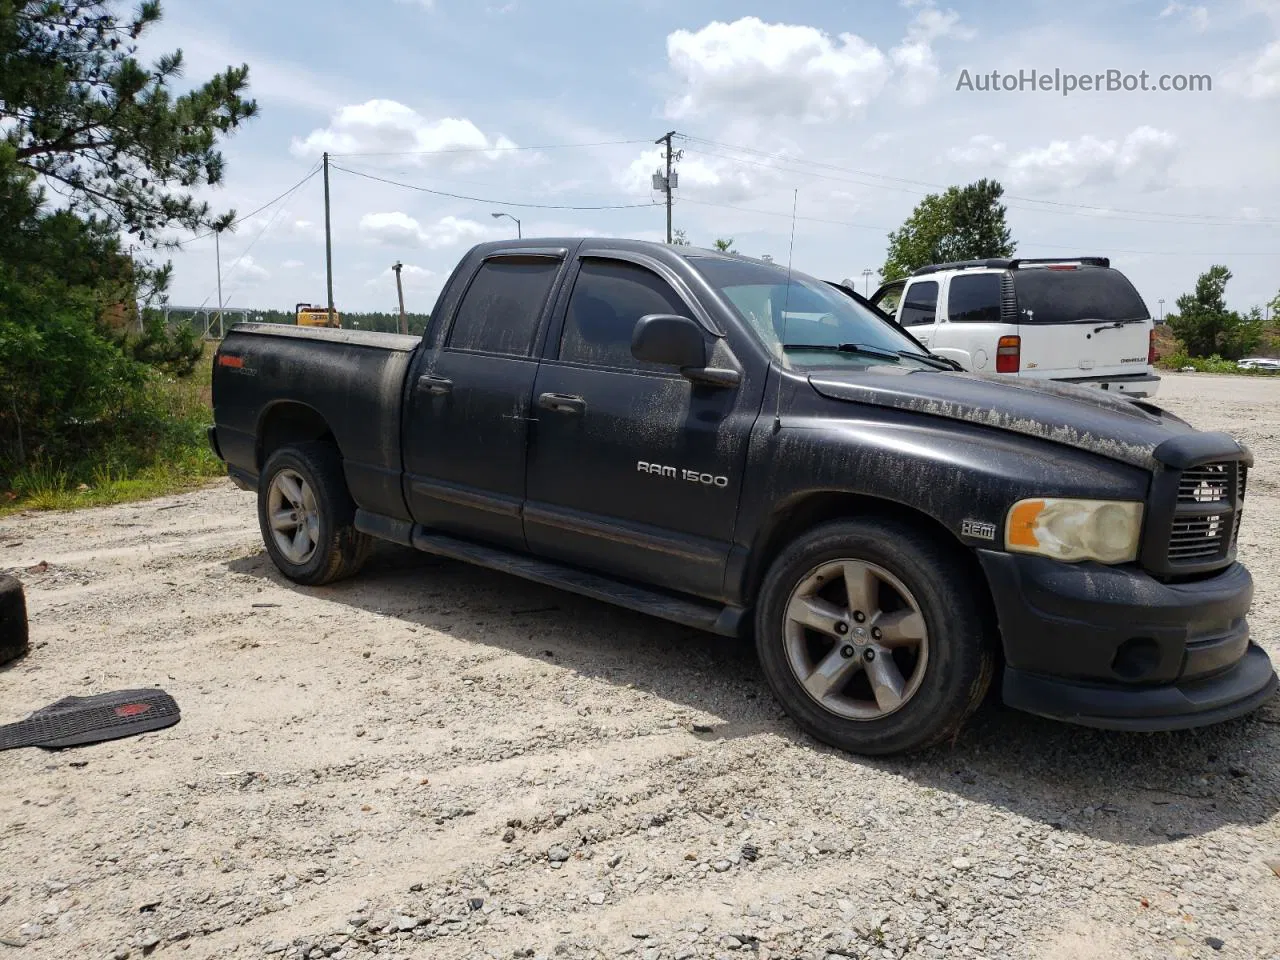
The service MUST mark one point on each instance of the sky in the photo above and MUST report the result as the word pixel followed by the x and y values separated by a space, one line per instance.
pixel 848 113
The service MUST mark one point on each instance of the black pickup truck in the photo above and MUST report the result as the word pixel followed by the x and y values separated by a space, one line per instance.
pixel 744 449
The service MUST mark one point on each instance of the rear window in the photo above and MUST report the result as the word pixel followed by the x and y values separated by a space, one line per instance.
pixel 1068 296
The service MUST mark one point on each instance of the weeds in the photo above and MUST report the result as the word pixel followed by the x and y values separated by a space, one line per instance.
pixel 152 462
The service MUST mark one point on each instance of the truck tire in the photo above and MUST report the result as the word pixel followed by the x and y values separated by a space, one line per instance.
pixel 307 515
pixel 13 620
pixel 873 636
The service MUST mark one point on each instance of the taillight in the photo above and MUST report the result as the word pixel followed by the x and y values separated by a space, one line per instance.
pixel 1009 355
pixel 1151 349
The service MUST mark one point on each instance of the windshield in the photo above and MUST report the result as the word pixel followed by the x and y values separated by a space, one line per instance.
pixel 803 321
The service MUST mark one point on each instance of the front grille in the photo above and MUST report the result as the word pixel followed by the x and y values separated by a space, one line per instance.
pixel 1206 517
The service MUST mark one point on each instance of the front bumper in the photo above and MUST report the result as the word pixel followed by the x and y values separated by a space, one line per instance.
pixel 1114 647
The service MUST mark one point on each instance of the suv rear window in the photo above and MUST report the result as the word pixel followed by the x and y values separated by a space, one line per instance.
pixel 1067 296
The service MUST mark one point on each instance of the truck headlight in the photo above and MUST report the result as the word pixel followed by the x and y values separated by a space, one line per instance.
pixel 1104 530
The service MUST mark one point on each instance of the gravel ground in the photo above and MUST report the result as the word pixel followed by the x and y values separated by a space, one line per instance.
pixel 439 761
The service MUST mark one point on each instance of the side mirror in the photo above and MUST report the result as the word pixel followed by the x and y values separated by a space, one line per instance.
pixel 669 340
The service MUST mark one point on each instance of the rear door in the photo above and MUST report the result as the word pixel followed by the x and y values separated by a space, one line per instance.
pixel 467 414
pixel 972 323
pixel 1080 321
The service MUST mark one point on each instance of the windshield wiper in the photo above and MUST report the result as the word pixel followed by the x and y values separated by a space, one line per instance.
pixel 1118 324
pixel 865 350
pixel 860 349
pixel 942 363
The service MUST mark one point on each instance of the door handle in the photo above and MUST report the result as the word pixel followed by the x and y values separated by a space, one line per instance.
pixel 562 403
pixel 436 386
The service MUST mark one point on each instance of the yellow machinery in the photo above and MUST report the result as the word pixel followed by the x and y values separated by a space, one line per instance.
pixel 309 316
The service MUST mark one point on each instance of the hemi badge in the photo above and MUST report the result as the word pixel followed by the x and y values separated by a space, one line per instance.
pixel 225 360
pixel 978 529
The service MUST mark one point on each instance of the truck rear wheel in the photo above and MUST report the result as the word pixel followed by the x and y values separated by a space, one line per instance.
pixel 873 637
pixel 13 619
pixel 307 515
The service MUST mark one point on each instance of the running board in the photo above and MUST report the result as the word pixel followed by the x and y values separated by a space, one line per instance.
pixel 702 616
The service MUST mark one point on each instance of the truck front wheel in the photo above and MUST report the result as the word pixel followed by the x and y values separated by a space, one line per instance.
pixel 872 636
pixel 307 515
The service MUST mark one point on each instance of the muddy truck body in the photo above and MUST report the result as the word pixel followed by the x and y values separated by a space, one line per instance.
pixel 740 448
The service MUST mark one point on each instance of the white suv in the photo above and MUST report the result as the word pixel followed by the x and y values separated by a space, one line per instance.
pixel 1075 320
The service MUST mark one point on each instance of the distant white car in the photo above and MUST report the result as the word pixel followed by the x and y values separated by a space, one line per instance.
pixel 1076 320
pixel 1259 363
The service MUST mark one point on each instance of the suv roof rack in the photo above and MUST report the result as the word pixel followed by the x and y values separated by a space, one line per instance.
pixel 1007 263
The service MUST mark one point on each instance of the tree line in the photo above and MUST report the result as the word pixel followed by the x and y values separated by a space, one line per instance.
pixel 97 149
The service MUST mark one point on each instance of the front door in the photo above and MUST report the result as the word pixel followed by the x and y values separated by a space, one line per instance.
pixel 468 412
pixel 919 309
pixel 633 470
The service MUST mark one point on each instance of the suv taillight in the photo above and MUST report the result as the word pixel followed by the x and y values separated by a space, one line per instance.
pixel 1009 355
pixel 1151 349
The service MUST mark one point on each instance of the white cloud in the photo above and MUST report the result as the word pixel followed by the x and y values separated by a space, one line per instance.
pixel 1258 77
pixel 981 150
pixel 773 69
pixel 292 265
pixel 246 271
pixel 914 58
pixel 1142 158
pixel 396 229
pixel 386 126
pixel 1197 16
pixel 412 277
pixel 701 177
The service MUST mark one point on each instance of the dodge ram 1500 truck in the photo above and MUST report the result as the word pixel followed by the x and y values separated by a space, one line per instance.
pixel 744 449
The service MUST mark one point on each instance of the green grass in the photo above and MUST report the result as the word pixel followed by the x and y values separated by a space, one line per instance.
pixel 176 459
pixel 1213 364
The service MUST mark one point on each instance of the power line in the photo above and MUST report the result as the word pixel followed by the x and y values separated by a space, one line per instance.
pixel 265 227
pixel 500 203
pixel 1066 206
pixel 255 213
pixel 1054 246
pixel 506 149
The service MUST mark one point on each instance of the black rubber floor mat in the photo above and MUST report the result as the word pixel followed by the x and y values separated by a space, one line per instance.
pixel 75 721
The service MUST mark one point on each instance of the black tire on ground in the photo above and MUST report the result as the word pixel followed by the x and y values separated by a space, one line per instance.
pixel 13 620
pixel 339 549
pixel 948 598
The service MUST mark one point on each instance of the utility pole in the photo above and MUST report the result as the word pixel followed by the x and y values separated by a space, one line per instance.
pixel 672 180
pixel 328 239
pixel 217 253
pixel 404 323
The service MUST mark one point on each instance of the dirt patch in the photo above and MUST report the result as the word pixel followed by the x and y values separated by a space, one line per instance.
pixel 439 761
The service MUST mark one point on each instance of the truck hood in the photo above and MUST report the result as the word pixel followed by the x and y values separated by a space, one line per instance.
pixel 1084 418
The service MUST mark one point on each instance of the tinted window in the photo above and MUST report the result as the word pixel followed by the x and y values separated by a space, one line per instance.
pixel 921 303
pixel 500 311
pixel 609 297
pixel 1065 296
pixel 974 299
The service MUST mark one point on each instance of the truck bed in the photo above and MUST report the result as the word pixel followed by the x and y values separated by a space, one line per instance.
pixel 351 380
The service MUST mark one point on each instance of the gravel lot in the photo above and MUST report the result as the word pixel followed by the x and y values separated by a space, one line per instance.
pixel 438 761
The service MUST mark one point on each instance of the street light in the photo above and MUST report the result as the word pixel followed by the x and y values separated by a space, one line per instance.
pixel 866 281
pixel 497 216
pixel 1161 302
